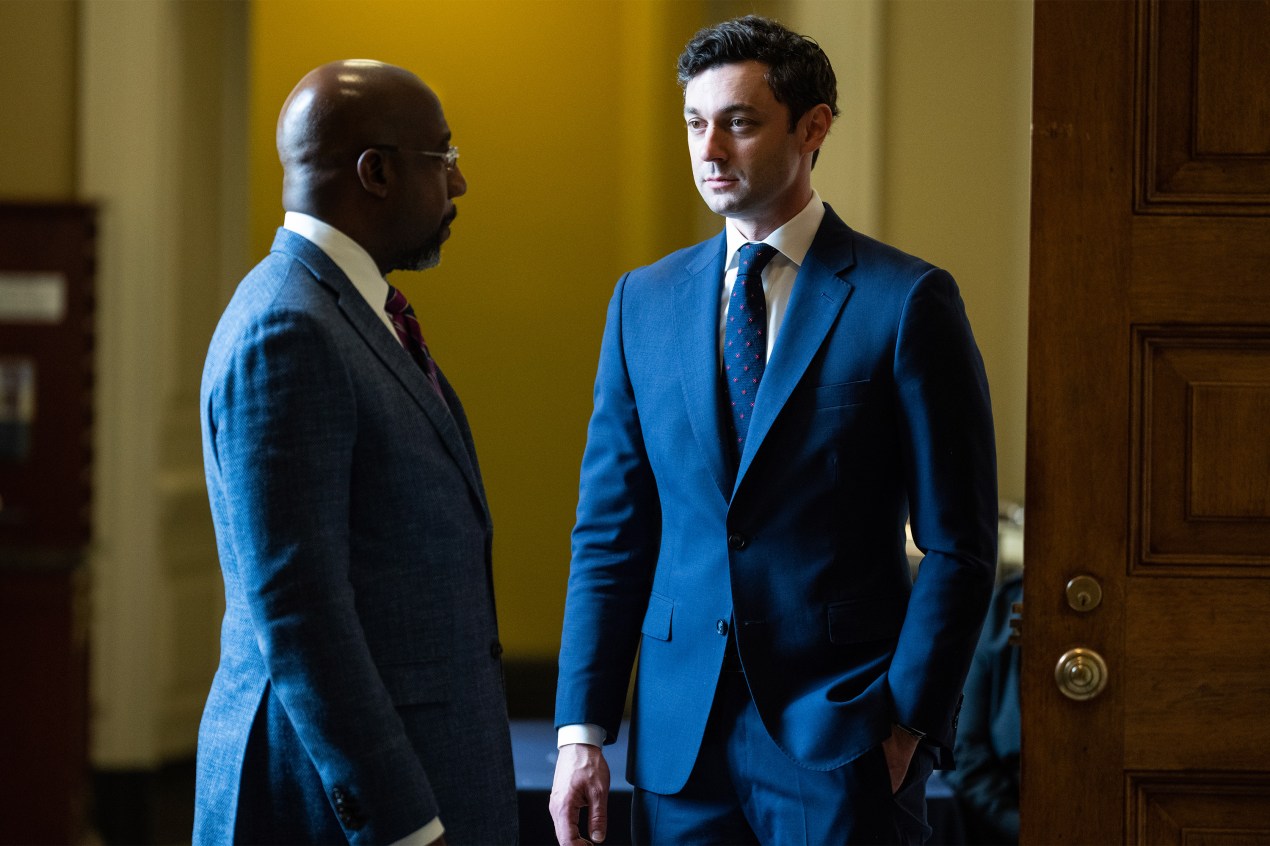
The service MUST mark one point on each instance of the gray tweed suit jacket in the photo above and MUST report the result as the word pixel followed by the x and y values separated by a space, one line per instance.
pixel 359 692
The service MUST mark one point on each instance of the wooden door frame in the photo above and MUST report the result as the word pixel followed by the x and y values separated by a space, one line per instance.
pixel 1076 416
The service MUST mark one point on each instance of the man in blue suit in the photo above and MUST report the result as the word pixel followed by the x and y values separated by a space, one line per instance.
pixel 359 695
pixel 767 419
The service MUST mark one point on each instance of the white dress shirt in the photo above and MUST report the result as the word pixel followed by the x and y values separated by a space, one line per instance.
pixel 362 271
pixel 350 257
pixel 792 240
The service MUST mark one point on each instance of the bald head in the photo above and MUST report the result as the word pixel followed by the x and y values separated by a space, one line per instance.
pixel 339 139
pixel 335 112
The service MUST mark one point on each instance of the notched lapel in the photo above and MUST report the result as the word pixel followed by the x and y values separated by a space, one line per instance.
pixel 412 378
pixel 821 290
pixel 696 323
pixel 393 355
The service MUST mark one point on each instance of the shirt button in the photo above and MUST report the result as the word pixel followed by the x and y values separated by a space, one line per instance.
pixel 721 627
pixel 495 649
pixel 736 540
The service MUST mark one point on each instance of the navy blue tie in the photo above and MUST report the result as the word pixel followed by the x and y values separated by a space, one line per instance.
pixel 745 336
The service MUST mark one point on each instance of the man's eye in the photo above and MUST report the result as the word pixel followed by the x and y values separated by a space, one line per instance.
pixel 696 125
pixel 740 123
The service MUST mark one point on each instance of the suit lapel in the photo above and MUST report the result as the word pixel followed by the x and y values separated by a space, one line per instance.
pixel 412 378
pixel 465 432
pixel 819 294
pixel 696 322
pixel 393 355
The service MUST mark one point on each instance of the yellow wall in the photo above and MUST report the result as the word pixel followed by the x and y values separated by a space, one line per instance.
pixel 568 118
pixel 37 99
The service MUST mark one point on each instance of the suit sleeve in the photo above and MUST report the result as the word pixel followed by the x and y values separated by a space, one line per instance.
pixel 285 421
pixel 946 417
pixel 615 542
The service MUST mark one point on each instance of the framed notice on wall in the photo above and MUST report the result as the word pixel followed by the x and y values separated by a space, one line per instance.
pixel 17 408
pixel 46 375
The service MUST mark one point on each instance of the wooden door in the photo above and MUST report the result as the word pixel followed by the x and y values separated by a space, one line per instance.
pixel 1149 423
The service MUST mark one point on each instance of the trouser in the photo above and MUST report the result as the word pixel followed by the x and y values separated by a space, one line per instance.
pixel 744 790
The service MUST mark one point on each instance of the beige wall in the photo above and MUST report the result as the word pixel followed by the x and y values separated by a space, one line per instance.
pixel 931 153
pixel 37 99
pixel 161 152
pixel 956 108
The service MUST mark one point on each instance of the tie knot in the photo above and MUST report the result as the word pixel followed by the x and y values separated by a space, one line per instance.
pixel 397 302
pixel 753 257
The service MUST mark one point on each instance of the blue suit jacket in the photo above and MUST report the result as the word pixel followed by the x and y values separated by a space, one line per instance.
pixel 873 406
pixel 359 692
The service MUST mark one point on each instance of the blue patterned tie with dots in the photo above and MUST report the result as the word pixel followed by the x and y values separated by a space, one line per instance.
pixel 745 336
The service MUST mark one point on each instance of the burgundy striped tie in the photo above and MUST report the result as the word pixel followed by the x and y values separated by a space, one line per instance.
pixel 407 326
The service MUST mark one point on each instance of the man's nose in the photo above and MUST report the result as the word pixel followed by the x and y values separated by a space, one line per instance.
pixel 458 185
pixel 712 148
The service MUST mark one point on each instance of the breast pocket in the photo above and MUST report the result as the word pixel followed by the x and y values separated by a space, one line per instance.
pixel 842 394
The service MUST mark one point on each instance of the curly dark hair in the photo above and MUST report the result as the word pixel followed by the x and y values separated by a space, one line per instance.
pixel 799 74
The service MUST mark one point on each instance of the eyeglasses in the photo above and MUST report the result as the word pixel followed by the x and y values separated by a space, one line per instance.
pixel 450 156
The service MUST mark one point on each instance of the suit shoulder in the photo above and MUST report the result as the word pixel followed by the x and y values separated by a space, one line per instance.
pixel 885 274
pixel 279 285
pixel 671 268
pixel 279 293
pixel 875 255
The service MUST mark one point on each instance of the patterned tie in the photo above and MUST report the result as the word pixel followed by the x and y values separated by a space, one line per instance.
pixel 745 336
pixel 407 326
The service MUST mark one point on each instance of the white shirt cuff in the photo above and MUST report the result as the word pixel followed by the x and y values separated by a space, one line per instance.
pixel 587 733
pixel 423 836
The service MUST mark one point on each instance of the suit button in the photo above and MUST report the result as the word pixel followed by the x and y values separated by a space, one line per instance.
pixel 495 649
pixel 721 627
pixel 736 540
pixel 346 809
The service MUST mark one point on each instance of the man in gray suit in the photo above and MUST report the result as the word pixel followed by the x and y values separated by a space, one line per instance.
pixel 359 695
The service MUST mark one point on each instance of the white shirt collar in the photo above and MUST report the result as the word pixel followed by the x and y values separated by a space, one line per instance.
pixel 792 239
pixel 347 254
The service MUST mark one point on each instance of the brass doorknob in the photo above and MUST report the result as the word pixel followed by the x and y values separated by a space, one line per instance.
pixel 1081 674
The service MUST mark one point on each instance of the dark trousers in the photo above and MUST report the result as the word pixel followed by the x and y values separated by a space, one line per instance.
pixel 744 790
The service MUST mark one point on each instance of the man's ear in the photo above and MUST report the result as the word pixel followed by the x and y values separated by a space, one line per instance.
pixel 373 171
pixel 814 126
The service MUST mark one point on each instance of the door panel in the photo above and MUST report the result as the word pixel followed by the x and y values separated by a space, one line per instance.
pixel 1209 810
pixel 1202 493
pixel 1202 107
pixel 1149 422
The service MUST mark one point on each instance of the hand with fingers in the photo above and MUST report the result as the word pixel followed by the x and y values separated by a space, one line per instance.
pixel 581 781
pixel 899 749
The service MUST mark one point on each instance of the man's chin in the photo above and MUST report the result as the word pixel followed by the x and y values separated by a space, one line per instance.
pixel 428 262
pixel 425 260
pixel 723 204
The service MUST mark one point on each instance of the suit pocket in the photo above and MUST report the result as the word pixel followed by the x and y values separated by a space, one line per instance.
pixel 657 617
pixel 842 393
pixel 868 618
pixel 417 683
